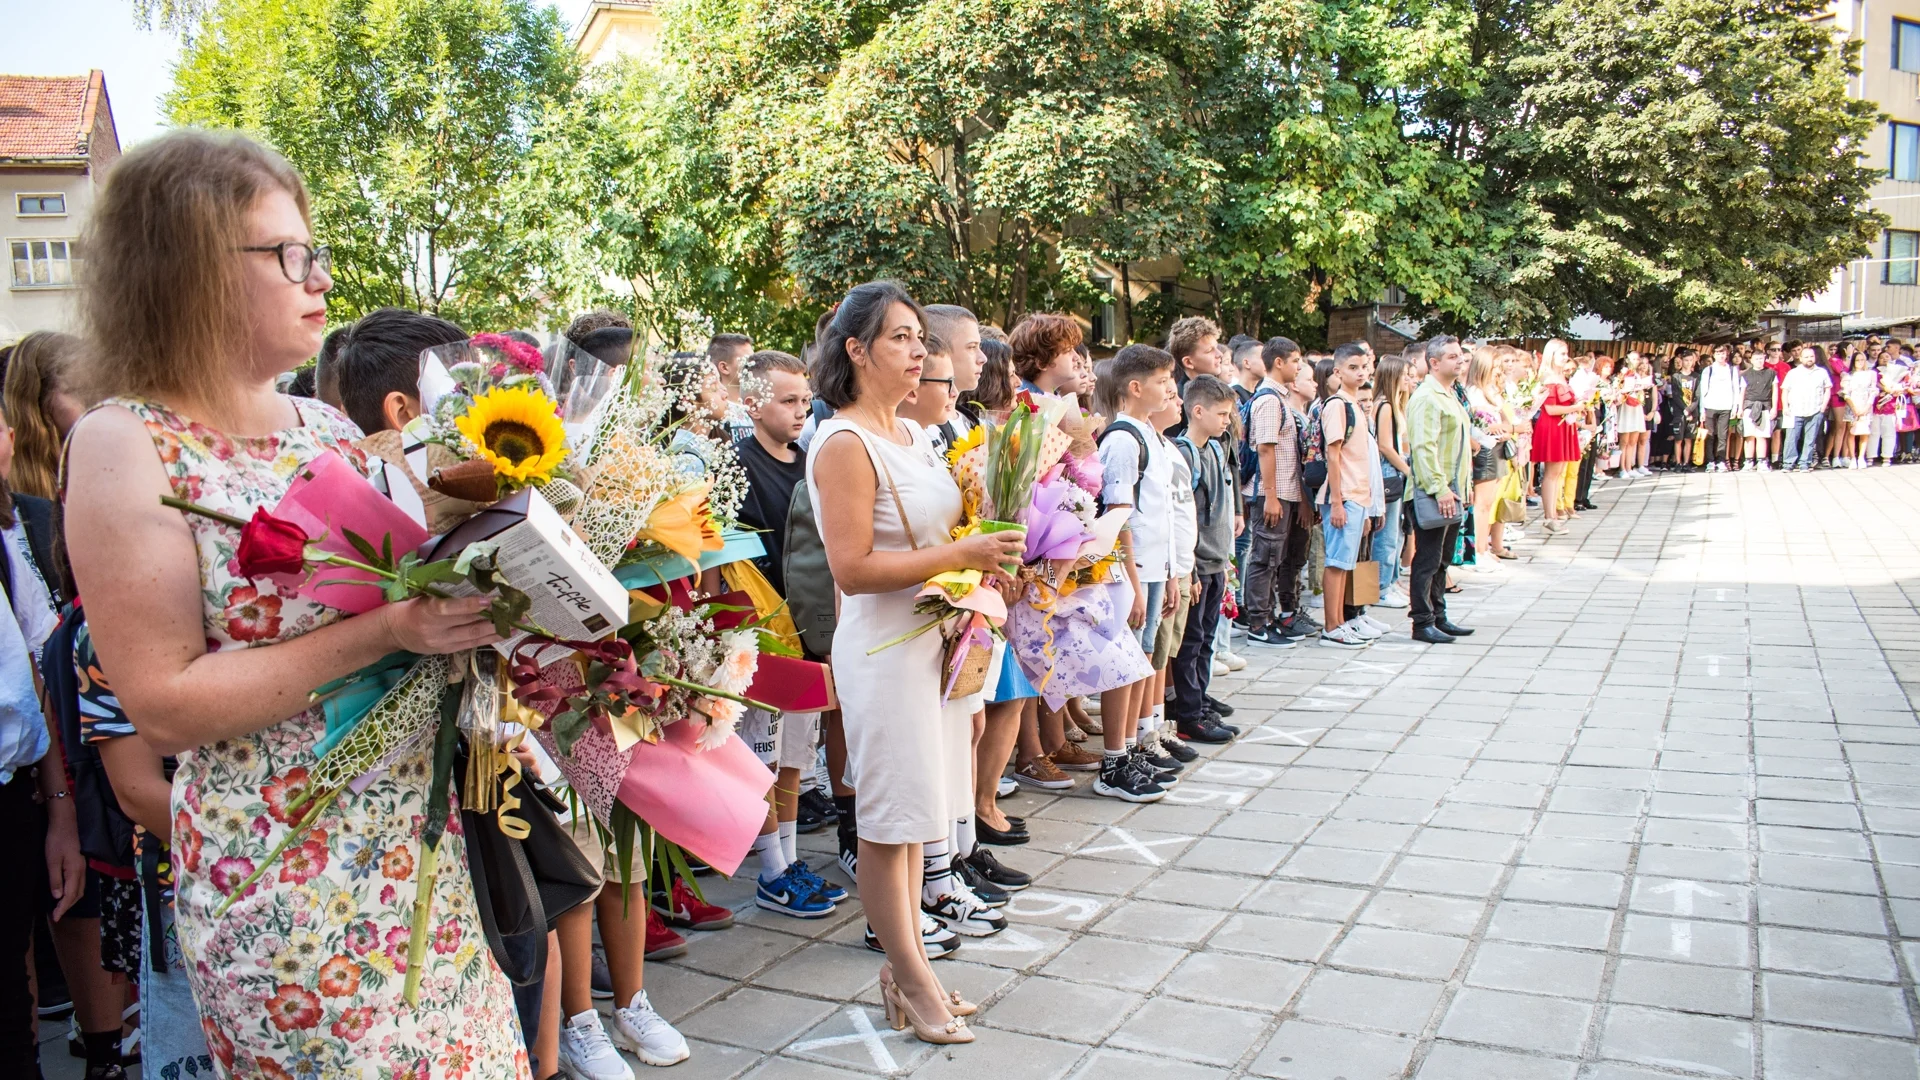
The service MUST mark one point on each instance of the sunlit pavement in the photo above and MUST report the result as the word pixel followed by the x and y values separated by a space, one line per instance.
pixel 1659 817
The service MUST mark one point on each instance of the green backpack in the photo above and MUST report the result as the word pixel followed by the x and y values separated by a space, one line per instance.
pixel 809 580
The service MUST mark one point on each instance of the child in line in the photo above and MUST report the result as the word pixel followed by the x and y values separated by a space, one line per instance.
pixel 1210 405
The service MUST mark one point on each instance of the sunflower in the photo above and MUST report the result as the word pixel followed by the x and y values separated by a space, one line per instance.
pixel 518 431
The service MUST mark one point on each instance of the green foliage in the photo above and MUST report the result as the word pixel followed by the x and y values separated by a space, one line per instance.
pixel 409 119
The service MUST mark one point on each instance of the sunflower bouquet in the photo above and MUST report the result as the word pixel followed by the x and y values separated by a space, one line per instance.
pixel 488 400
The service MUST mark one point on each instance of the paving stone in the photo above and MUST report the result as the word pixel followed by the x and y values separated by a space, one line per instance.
pixel 1436 914
pixel 1541 924
pixel 1209 1034
pixel 1831 1055
pixel 1839 955
pixel 1129 965
pixel 1689 940
pixel 1399 952
pixel 1307 900
pixel 1004 1053
pixel 1275 936
pixel 1831 1003
pixel 1678 1040
pixel 1300 1050
pixel 1423 875
pixel 1233 856
pixel 1245 981
pixel 1126 1065
pixel 755 1019
pixel 1822 911
pixel 1370 1001
pixel 1452 1061
pixel 1198 888
pixel 1686 897
pixel 1501 1018
pixel 1336 864
pixel 1684 987
pixel 1170 924
pixel 1552 885
pixel 1537 970
pixel 1061 1009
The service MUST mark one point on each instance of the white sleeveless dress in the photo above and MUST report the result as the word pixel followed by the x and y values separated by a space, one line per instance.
pixel 909 759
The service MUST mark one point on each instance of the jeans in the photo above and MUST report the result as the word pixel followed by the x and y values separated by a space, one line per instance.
pixel 1193 663
pixel 1803 442
pixel 1386 544
pixel 1427 599
pixel 1715 422
pixel 1266 562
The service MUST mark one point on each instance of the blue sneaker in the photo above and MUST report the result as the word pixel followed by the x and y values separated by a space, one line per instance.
pixel 826 888
pixel 792 894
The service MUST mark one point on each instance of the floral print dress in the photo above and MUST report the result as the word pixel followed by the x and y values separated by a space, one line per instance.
pixel 302 977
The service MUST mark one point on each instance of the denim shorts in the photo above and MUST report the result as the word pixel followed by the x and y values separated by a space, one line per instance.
pixel 1343 544
pixel 1156 595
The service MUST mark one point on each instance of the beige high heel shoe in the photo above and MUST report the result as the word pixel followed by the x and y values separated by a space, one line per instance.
pixel 901 1016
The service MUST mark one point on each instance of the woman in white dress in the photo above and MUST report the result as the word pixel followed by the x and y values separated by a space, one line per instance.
pixel 886 505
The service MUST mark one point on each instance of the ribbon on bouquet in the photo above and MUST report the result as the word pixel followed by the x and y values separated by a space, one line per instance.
pixel 621 680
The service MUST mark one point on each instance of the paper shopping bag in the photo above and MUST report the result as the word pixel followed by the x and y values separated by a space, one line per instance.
pixel 1363 583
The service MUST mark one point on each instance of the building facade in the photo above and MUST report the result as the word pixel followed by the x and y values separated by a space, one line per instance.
pixel 56 141
pixel 614 29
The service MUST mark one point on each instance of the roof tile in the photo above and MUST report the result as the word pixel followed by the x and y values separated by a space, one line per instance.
pixel 43 117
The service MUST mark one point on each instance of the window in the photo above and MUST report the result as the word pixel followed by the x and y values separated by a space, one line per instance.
pixel 1906 45
pixel 1903 258
pixel 1906 151
pixel 53 205
pixel 42 263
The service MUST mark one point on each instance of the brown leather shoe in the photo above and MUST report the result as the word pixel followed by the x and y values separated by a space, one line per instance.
pixel 1075 759
pixel 1040 773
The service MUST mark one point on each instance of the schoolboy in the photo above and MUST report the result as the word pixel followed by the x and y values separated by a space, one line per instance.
pixel 1169 755
pixel 1210 408
pixel 1137 467
pixel 1273 496
pixel 960 330
pixel 727 353
pixel 1349 492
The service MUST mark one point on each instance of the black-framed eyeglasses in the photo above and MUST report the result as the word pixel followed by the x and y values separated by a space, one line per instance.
pixel 948 383
pixel 298 260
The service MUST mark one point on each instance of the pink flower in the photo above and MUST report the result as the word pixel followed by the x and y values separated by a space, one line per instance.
pixel 231 871
pixel 518 353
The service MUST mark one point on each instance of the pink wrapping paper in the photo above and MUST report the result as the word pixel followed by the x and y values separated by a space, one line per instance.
pixel 327 499
pixel 712 803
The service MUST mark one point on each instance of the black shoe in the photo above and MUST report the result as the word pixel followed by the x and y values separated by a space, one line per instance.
pixel 1272 638
pixel 1446 627
pixel 806 821
pixel 820 806
pixel 1202 730
pixel 602 979
pixel 700 869
pixel 1300 624
pixel 1432 636
pixel 1176 748
pixel 1157 761
pixel 1017 824
pixel 987 834
pixel 1124 778
pixel 1231 729
pixel 1585 506
pixel 1219 706
pixel 1002 875
pixel 990 894
pixel 934 937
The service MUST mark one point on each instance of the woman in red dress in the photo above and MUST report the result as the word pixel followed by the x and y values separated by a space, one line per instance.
pixel 1556 442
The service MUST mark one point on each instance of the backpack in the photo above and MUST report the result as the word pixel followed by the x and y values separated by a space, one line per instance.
pixel 809 580
pixel 1139 477
pixel 1249 453
pixel 1202 494
pixel 1313 447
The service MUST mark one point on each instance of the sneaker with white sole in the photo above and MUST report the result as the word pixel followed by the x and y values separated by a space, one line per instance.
pixel 587 1054
pixel 964 913
pixel 1391 597
pixel 1220 668
pixel 1343 637
pixel 1128 779
pixel 644 1032
pixel 1362 629
pixel 935 938
pixel 1375 624
pixel 1234 661
pixel 1008 785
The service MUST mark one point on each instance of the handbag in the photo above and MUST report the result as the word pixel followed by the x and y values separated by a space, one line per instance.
pixel 1427 515
pixel 808 577
pixel 1508 449
pixel 1700 447
pixel 521 886
pixel 963 666
pixel 1393 482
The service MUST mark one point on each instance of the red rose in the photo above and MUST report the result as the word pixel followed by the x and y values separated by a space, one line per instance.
pixel 270 545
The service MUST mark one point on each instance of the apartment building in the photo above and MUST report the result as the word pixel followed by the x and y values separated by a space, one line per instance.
pixel 56 141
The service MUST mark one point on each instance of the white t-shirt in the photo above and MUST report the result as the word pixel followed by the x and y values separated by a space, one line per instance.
pixel 1151 520
pixel 1186 517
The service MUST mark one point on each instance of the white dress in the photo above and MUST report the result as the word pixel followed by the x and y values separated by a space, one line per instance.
pixel 909 759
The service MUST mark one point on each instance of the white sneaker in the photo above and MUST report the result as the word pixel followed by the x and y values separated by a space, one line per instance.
pixel 647 1034
pixel 1233 660
pixel 1008 785
pixel 1484 567
pixel 1362 629
pixel 1391 597
pixel 1513 533
pixel 1220 668
pixel 1375 624
pixel 1343 637
pixel 587 1054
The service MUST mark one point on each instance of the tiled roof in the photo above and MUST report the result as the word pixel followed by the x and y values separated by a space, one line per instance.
pixel 48 117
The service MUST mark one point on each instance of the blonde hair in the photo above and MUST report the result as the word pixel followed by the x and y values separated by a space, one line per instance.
pixel 164 302
pixel 41 365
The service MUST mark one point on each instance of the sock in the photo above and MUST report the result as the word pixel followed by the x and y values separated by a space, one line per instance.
pixel 103 1047
pixel 790 840
pixel 773 861
pixel 936 866
pixel 1114 755
pixel 849 832
pixel 963 837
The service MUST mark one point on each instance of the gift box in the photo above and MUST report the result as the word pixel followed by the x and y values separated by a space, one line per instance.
pixel 574 595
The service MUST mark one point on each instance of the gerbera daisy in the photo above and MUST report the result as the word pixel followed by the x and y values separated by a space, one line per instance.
pixel 518 431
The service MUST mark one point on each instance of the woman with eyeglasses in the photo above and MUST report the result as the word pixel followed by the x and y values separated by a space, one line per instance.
pixel 205 285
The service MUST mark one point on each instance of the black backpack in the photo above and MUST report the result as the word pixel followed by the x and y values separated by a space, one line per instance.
pixel 1141 476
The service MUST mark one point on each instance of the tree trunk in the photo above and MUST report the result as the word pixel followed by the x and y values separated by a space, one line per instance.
pixel 1126 302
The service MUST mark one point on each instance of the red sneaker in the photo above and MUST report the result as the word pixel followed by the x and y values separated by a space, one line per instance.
pixel 689 911
pixel 662 943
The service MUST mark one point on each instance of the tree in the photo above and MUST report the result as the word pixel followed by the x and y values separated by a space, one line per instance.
pixel 1665 164
pixel 409 119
